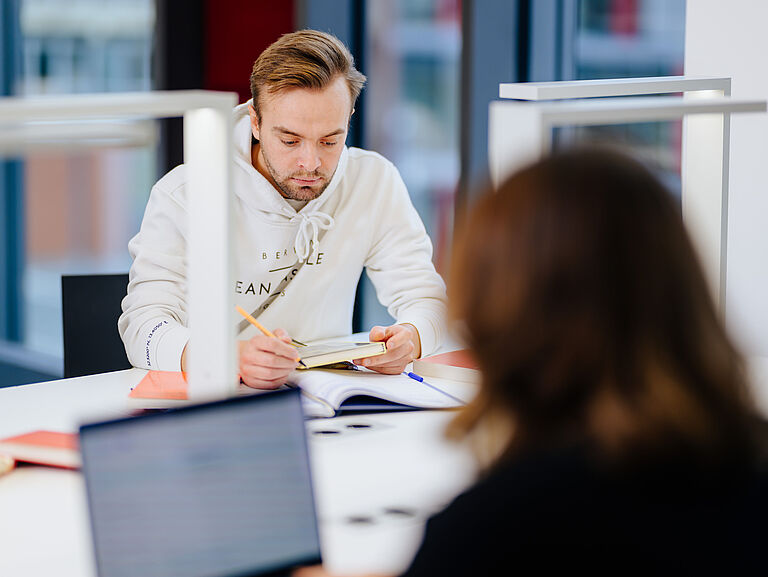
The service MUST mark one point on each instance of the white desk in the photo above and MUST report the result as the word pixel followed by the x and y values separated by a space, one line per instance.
pixel 400 462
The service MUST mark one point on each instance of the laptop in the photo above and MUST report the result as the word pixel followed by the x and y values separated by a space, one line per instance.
pixel 220 489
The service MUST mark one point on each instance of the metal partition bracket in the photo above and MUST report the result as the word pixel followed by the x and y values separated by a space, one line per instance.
pixel 208 153
pixel 521 125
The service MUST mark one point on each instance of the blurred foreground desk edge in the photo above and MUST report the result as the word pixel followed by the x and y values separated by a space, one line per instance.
pixel 377 478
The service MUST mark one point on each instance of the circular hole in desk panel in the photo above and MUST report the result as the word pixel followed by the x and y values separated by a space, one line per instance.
pixel 400 512
pixel 326 432
pixel 360 520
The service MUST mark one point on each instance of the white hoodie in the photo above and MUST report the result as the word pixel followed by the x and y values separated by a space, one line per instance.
pixel 369 221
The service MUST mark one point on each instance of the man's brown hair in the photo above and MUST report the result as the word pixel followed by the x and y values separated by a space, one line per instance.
pixel 303 59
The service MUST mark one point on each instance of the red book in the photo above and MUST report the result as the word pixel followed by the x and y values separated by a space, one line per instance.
pixel 455 365
pixel 43 448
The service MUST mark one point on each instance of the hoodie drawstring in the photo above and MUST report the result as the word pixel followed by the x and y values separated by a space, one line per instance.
pixel 306 237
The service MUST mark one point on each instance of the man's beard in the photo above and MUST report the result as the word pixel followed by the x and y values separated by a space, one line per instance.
pixel 297 192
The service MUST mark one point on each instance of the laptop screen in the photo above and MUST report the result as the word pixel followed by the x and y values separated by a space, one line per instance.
pixel 214 490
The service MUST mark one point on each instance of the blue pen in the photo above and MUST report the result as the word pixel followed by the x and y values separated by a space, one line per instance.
pixel 421 380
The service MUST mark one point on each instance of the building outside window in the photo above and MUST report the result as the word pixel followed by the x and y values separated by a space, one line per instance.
pixel 622 39
pixel 81 204
pixel 412 60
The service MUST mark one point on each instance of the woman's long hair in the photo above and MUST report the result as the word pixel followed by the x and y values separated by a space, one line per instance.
pixel 590 318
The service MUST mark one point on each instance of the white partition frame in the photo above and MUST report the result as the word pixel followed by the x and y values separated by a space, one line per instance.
pixel 520 131
pixel 207 155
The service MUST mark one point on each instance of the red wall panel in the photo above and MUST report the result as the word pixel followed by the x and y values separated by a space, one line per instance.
pixel 236 32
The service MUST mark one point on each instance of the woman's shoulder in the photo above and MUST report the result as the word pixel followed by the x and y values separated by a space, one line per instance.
pixel 521 487
pixel 572 483
pixel 545 509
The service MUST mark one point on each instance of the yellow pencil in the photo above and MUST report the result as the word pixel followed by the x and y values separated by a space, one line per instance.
pixel 254 322
pixel 259 326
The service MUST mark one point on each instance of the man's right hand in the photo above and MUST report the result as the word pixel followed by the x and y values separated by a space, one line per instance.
pixel 265 362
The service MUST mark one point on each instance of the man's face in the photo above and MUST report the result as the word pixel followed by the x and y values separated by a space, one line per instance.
pixel 301 136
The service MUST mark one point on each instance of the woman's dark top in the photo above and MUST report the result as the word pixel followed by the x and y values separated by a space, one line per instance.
pixel 560 510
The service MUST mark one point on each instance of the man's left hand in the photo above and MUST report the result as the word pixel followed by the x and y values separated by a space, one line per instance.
pixel 403 345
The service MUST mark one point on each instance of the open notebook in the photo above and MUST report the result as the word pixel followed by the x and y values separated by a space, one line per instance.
pixel 325 391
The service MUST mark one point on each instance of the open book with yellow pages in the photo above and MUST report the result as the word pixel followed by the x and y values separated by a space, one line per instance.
pixel 330 353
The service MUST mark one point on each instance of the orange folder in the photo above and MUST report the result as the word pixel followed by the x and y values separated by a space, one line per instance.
pixel 161 385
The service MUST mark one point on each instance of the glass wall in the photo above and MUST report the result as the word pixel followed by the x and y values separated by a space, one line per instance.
pixel 622 39
pixel 86 45
pixel 81 203
pixel 412 60
pixel 412 57
pixel 625 38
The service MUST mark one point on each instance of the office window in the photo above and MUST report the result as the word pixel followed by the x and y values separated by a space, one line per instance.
pixel 635 38
pixel 81 204
pixel 618 39
pixel 412 59
pixel 625 38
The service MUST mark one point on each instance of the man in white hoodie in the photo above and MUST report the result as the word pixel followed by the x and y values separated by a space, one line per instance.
pixel 309 215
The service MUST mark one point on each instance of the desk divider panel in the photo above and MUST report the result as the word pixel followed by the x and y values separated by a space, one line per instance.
pixel 520 131
pixel 208 153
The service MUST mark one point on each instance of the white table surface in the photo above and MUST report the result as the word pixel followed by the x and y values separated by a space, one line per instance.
pixel 401 461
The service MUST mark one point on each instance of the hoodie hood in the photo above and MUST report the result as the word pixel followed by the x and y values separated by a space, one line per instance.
pixel 255 191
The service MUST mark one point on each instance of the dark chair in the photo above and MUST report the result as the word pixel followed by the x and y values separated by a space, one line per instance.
pixel 90 309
